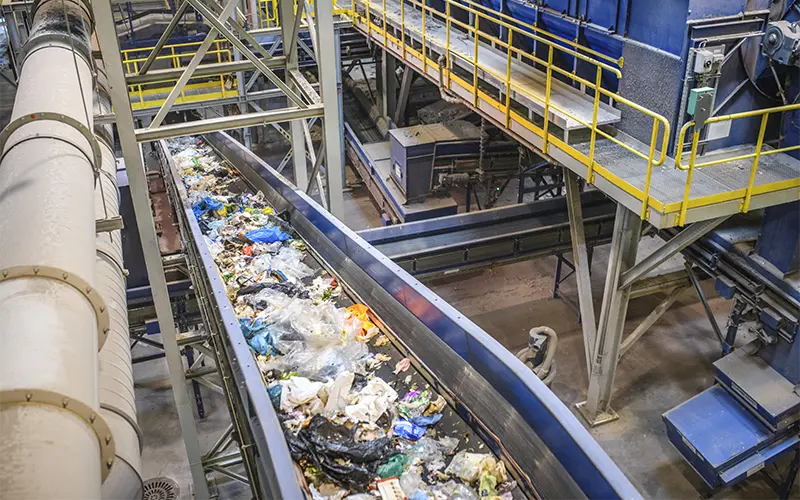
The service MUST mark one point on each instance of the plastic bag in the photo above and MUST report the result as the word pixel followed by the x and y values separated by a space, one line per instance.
pixel 470 466
pixel 323 442
pixel 205 205
pixel 408 430
pixel 298 391
pixel 268 234
pixel 337 393
pixel 289 262
pixel 414 403
pixel 425 421
pixel 452 490
pixel 372 401
pixel 394 467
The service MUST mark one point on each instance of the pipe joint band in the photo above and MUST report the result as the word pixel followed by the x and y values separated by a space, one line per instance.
pixel 77 408
pixel 78 283
pixel 127 418
pixel 97 159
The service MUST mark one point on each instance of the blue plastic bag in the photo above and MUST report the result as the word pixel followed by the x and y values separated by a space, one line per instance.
pixel 252 327
pixel 423 421
pixel 269 234
pixel 206 205
pixel 408 430
pixel 275 395
pixel 262 344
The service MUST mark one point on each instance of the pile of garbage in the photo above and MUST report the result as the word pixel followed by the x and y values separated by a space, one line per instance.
pixel 347 428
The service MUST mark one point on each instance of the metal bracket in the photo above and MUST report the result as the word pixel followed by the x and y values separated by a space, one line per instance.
pixel 44 397
pixel 109 224
pixel 23 120
pixel 78 283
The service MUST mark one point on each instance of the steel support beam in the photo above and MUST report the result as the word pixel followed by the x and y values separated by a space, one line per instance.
pixel 624 244
pixel 670 248
pixel 173 23
pixel 227 123
pixel 106 32
pixel 333 126
pixel 388 103
pixel 402 100
pixel 160 75
pixel 651 319
pixel 707 308
pixel 209 17
pixel 580 258
pixel 193 64
pixel 289 24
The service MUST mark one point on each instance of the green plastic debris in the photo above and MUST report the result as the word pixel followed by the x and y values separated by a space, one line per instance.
pixel 394 467
pixel 487 486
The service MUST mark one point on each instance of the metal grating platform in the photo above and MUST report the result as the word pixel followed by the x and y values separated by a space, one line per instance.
pixel 715 191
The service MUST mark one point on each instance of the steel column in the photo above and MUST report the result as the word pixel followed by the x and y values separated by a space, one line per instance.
pixel 106 32
pixel 402 100
pixel 388 74
pixel 580 258
pixel 333 127
pixel 289 20
pixel 624 244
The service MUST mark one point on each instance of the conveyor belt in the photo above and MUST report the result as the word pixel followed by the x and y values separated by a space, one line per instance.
pixel 548 450
pixel 491 237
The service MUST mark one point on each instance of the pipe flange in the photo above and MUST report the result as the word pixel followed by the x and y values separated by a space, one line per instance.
pixel 96 161
pixel 78 283
pixel 77 408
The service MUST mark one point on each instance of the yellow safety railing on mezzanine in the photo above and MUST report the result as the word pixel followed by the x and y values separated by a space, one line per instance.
pixel 517 32
pixel 178 56
pixel 746 193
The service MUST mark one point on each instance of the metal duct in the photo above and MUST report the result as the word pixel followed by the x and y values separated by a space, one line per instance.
pixel 117 404
pixel 53 441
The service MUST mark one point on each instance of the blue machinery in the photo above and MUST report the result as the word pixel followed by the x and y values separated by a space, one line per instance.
pixel 550 452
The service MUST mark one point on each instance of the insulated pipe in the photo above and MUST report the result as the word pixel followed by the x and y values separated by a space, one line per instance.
pixel 117 405
pixel 51 436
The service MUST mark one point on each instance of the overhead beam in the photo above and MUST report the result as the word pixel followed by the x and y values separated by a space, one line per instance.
pixel 227 123
pixel 158 75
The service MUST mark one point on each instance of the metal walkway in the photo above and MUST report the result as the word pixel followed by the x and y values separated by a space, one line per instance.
pixel 515 89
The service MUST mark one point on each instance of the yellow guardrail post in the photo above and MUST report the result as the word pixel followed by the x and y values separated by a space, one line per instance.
pixel 688 187
pixel 447 41
pixel 646 198
pixel 385 29
pixel 754 168
pixel 508 78
pixel 424 41
pixel 475 63
pixel 369 20
pixel 598 82
pixel 403 26
pixel 546 136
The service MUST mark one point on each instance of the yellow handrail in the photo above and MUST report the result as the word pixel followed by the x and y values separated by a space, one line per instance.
pixel 755 155
pixel 517 33
pixel 132 59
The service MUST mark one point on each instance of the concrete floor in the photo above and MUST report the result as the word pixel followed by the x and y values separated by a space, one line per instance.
pixel 671 363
